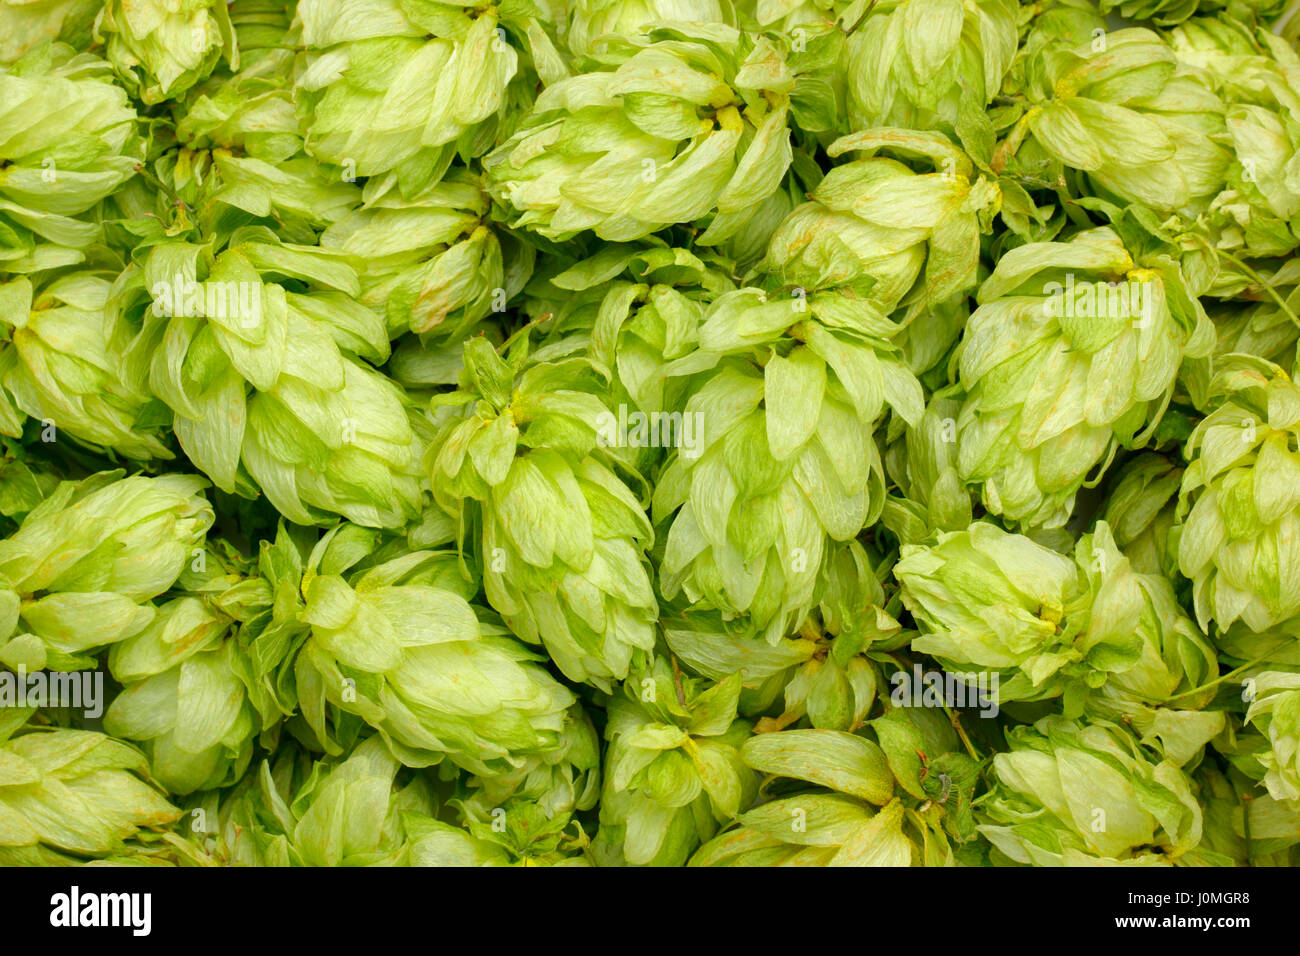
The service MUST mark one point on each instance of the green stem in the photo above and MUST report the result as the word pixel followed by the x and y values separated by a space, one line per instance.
pixel 1218 680
pixel 955 720
pixel 523 330
pixel 147 175
pixel 1281 303
pixel 677 681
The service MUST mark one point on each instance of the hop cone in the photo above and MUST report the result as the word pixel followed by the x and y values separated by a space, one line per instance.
pixel 1257 75
pixel 559 782
pixel 412 660
pixel 431 264
pixel 673 131
pixel 1072 353
pixel 519 833
pixel 1265 328
pixel 879 229
pixel 80 572
pixel 358 811
pixel 269 386
pixel 854 815
pixel 673 771
pixel 563 539
pixel 1275 712
pixel 632 310
pixel 69 140
pixel 393 90
pixel 1154 658
pixel 936 64
pixel 989 600
pixel 182 698
pixel 589 20
pixel 1090 628
pixel 1238 513
pixel 833 830
pixel 1130 121
pixel 25 24
pixel 240 143
pixel 74 365
pixel 160 48
pixel 785 462
pixel 1071 794
pixel 836 686
pixel 69 796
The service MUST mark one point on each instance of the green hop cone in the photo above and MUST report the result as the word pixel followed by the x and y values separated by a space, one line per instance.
pixel 161 48
pixel 885 233
pixel 356 811
pixel 785 462
pixel 239 143
pixel 1257 74
pixel 75 366
pixel 1072 794
pixel 69 796
pixel 271 388
pixel 1118 110
pixel 28 23
pixel 1073 352
pixel 519 833
pixel 632 310
pixel 431 264
pixel 563 538
pixel 836 686
pixel 182 698
pixel 922 462
pixel 1238 514
pixel 1153 659
pixel 393 90
pixel 560 781
pixel 934 64
pixel 1275 711
pixel 704 645
pixel 69 141
pixel 1267 329
pixel 589 20
pixel 857 812
pixel 412 660
pixel 247 614
pixel 81 570
pixel 987 600
pixel 673 772
pixel 674 130
pixel 1091 629
pixel 815 829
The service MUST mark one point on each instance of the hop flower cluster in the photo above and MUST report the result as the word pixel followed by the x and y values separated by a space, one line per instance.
pixel 692 433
